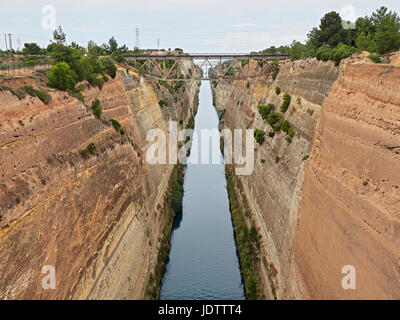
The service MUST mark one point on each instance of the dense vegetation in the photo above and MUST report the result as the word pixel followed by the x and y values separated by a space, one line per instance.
pixel 286 102
pixel 378 33
pixel 259 135
pixel 247 239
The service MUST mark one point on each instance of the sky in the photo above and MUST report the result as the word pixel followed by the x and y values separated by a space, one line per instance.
pixel 196 26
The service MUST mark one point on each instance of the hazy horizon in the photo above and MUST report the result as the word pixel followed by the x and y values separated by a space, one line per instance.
pixel 194 26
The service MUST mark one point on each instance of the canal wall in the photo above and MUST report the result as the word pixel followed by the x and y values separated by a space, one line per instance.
pixel 325 195
pixel 96 214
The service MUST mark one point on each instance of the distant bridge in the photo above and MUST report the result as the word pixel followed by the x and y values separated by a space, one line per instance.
pixel 226 66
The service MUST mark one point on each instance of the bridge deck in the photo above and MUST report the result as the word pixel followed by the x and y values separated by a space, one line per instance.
pixel 212 56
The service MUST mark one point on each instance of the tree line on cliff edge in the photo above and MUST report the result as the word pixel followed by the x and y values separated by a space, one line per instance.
pixel 336 39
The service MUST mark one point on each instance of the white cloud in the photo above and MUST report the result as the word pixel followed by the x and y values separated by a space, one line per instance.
pixel 244 24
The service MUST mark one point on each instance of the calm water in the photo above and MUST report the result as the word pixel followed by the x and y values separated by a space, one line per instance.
pixel 202 262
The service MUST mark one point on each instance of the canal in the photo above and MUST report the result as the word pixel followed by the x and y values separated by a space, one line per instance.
pixel 203 262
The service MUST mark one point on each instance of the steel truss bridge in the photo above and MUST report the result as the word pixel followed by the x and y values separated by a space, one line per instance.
pixel 225 66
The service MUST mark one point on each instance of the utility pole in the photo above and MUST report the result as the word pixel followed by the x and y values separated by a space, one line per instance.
pixel 137 37
pixel 158 44
pixel 5 41
pixel 9 38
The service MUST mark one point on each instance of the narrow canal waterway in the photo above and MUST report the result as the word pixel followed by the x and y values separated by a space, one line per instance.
pixel 203 263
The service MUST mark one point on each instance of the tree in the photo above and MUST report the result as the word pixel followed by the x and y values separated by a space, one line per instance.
pixel 109 66
pixel 382 13
pixel 61 77
pixel 31 49
pixel 313 38
pixel 366 42
pixel 75 45
pixel 387 35
pixel 112 45
pixel 365 25
pixel 275 67
pixel 330 28
pixel 59 36
pixel 296 51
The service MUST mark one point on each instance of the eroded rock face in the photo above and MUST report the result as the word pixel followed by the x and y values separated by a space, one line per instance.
pixel 346 214
pixel 97 220
pixel 350 206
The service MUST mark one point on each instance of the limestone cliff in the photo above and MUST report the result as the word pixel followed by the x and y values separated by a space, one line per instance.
pixel 97 219
pixel 345 212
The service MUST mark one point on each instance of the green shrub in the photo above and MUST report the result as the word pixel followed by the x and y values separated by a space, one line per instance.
pixel 285 126
pixel 29 90
pixel 310 111
pixel 163 103
pixel 44 96
pixel 90 149
pixel 278 90
pixel 170 88
pixel 176 201
pixel 118 57
pixel 117 126
pixel 61 77
pixel 275 120
pixel 109 67
pixel 78 94
pixel 291 132
pixel 306 157
pixel 262 160
pixel 266 110
pixel 271 134
pixel 286 102
pixel 274 69
pixel 342 51
pixel 96 81
pixel 375 58
pixel 96 107
pixel 288 139
pixel 277 159
pixel 248 84
pixel 259 135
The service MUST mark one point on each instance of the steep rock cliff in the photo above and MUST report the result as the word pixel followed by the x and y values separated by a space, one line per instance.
pixel 305 231
pixel 98 220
